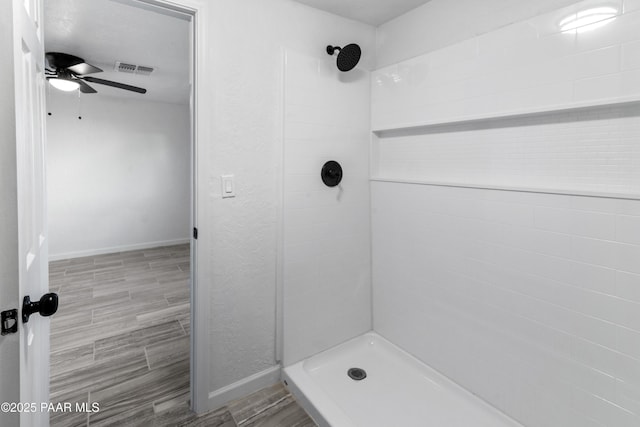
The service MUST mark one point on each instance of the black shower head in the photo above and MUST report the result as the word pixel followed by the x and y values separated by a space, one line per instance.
pixel 348 56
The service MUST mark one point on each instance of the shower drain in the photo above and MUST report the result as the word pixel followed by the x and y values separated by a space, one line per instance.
pixel 357 374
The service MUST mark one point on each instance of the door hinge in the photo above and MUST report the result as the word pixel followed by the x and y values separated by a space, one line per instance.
pixel 195 233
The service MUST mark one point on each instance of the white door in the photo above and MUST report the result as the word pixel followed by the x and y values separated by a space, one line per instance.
pixel 28 61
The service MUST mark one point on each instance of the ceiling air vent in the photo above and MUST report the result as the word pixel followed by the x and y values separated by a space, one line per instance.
pixel 123 67
pixel 145 71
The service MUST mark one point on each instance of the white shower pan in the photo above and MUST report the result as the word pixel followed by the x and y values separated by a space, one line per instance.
pixel 399 390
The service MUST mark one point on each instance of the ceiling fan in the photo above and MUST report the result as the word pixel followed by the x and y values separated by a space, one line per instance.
pixel 70 73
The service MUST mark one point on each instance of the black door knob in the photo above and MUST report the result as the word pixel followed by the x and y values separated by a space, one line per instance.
pixel 47 306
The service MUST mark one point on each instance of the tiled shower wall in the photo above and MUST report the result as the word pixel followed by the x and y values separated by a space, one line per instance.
pixel 594 151
pixel 528 66
pixel 530 300
pixel 326 268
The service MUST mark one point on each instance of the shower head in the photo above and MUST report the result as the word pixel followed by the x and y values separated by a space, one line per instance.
pixel 348 56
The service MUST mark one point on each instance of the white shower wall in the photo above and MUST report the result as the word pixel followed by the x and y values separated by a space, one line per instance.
pixel 530 300
pixel 588 151
pixel 243 137
pixel 326 239
pixel 526 67
pixel 440 23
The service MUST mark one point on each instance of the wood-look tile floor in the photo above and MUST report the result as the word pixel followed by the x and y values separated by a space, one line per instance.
pixel 121 338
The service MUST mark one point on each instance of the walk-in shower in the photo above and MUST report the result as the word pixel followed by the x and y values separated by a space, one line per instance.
pixel 479 260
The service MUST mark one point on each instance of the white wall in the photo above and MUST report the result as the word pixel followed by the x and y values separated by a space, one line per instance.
pixel 244 138
pixel 9 298
pixel 440 23
pixel 327 269
pixel 530 300
pixel 527 67
pixel 118 179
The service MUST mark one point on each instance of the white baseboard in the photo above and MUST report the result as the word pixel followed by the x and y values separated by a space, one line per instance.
pixel 92 252
pixel 245 386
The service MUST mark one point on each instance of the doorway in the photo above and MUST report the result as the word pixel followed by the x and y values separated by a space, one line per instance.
pixel 121 338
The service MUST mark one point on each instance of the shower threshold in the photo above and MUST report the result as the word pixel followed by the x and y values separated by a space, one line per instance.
pixel 398 390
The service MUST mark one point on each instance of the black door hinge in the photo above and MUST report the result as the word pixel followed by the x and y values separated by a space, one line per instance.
pixel 195 233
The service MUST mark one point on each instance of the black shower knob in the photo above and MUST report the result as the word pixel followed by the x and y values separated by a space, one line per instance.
pixel 331 173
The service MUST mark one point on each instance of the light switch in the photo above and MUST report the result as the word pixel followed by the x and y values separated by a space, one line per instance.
pixel 228 186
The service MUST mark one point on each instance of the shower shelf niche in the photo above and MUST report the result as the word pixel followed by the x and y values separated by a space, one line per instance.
pixel 566 114
pixel 455 122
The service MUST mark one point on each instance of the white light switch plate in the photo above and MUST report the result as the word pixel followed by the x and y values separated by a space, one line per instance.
pixel 228 186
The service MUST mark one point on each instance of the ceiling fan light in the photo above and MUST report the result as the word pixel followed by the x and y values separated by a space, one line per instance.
pixel 64 84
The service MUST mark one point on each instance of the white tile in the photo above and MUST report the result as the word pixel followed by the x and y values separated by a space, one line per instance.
pixel 628 396
pixel 507 213
pixel 589 276
pixel 627 207
pixel 627 314
pixel 628 229
pixel 628 341
pixel 601 410
pixel 631 5
pixel 597 88
pixel 631 55
pixel 630 82
pixel 516 34
pixel 591 224
pixel 553 219
pixel 628 286
pixel 597 62
pixel 620 30
pixel 595 251
pixel 626 257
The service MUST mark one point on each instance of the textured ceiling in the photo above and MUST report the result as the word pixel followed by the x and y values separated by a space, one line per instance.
pixel 104 31
pixel 373 12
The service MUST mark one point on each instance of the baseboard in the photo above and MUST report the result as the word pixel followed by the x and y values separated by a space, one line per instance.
pixel 245 386
pixel 92 252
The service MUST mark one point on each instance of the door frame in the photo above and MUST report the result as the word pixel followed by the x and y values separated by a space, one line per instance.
pixel 198 10
pixel 200 107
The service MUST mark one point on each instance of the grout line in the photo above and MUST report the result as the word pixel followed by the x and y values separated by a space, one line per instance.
pixel 263 410
pixel 146 356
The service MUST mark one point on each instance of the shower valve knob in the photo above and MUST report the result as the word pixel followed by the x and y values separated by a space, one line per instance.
pixel 331 173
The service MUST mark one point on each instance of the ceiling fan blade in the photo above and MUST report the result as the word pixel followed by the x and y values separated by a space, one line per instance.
pixel 62 60
pixel 83 68
pixel 115 84
pixel 85 88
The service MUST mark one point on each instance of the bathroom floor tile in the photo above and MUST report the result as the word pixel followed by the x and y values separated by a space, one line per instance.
pixel 121 338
